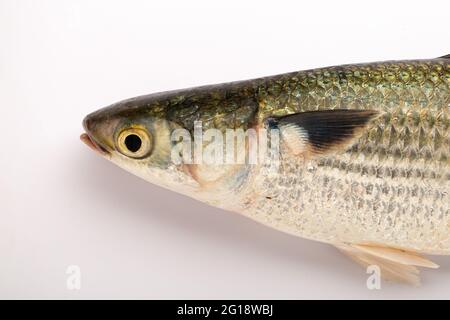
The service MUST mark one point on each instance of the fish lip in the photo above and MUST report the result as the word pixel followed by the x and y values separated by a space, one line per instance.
pixel 87 139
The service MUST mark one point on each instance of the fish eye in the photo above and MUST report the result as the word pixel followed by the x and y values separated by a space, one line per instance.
pixel 134 143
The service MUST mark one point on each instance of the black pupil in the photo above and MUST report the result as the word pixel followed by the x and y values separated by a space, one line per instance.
pixel 133 142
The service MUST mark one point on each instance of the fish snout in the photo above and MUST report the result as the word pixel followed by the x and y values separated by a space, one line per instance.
pixel 95 136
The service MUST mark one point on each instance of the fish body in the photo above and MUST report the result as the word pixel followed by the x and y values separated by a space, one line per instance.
pixel 362 161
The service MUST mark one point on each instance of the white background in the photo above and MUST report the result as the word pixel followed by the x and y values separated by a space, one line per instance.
pixel 62 205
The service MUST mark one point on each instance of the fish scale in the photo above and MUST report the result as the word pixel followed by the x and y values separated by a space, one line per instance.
pixel 377 89
pixel 392 181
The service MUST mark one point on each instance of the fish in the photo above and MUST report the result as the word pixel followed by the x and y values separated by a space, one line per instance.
pixel 355 156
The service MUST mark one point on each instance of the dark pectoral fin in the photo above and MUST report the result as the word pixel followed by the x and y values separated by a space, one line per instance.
pixel 322 131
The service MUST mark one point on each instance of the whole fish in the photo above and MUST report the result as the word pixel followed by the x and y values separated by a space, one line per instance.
pixel 361 159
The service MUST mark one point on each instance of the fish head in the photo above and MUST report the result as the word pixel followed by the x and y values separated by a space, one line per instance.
pixel 135 134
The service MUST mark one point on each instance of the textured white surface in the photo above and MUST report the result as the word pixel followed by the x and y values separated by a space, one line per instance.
pixel 63 205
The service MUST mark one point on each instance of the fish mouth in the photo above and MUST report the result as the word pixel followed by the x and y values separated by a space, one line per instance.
pixel 93 145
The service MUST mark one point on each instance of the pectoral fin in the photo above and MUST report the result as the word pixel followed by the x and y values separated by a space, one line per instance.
pixel 322 131
pixel 395 264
